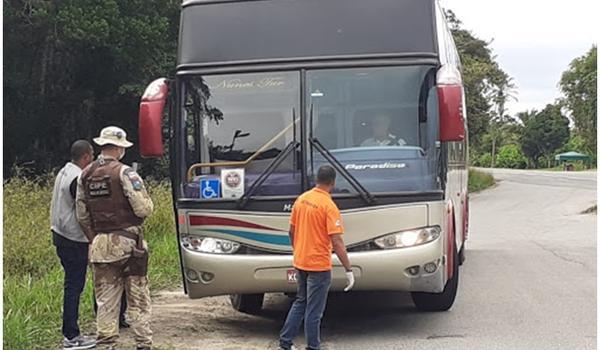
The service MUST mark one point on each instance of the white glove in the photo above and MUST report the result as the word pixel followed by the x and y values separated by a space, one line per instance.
pixel 350 278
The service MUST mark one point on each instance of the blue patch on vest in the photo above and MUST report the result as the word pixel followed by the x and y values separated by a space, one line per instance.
pixel 137 185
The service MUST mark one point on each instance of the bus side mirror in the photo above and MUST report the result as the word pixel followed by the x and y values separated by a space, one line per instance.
pixel 150 118
pixel 451 104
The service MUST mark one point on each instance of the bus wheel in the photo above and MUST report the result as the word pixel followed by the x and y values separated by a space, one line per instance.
pixel 439 301
pixel 247 303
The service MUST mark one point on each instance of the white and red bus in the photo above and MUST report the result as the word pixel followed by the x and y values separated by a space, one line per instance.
pixel 264 93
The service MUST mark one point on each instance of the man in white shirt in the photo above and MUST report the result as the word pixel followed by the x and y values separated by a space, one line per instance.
pixel 381 133
pixel 71 242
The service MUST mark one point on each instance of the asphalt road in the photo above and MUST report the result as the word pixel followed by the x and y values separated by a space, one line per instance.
pixel 529 282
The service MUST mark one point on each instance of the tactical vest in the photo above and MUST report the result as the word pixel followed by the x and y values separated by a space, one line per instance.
pixel 108 207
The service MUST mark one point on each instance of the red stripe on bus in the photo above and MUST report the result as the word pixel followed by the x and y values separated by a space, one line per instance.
pixel 197 220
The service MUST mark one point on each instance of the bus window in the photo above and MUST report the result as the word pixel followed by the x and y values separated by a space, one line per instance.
pixel 326 129
pixel 246 121
pixel 380 133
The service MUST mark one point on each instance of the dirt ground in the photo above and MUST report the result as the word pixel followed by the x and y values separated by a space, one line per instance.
pixel 211 323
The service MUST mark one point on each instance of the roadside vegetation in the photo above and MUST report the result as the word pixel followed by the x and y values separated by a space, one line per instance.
pixel 577 166
pixel 479 180
pixel 531 139
pixel 33 289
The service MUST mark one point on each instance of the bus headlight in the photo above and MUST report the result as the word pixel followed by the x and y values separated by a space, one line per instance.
pixel 408 238
pixel 210 245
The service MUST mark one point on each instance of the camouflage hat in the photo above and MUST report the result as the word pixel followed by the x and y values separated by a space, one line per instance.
pixel 112 135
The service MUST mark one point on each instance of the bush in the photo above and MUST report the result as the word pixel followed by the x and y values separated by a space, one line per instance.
pixel 484 160
pixel 511 156
pixel 33 278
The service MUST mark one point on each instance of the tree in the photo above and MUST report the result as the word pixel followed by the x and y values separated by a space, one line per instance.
pixel 544 133
pixel 487 86
pixel 525 116
pixel 579 85
pixel 74 66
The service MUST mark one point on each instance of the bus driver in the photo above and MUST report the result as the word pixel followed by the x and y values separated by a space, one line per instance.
pixel 381 134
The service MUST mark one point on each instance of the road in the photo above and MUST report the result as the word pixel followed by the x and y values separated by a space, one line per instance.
pixel 529 282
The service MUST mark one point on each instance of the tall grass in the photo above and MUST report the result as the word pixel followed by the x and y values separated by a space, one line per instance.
pixel 33 277
pixel 479 180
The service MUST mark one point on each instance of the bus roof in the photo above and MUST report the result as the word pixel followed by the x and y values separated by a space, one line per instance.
pixel 226 32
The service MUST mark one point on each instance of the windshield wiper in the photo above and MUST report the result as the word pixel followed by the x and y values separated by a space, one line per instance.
pixel 314 142
pixel 362 191
pixel 243 200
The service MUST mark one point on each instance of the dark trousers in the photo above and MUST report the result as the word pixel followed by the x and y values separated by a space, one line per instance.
pixel 309 306
pixel 74 260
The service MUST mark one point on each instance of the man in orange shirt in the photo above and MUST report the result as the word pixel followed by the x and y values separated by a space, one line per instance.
pixel 315 229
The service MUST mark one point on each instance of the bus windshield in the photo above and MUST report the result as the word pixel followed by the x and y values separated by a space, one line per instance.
pixel 379 123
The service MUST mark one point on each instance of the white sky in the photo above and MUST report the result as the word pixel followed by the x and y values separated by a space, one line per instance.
pixel 534 40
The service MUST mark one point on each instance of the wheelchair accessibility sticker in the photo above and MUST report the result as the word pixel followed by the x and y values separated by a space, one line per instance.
pixel 210 189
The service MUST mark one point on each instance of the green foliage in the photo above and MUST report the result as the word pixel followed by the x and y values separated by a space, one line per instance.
pixel 27 228
pixel 32 273
pixel 579 85
pixel 487 86
pixel 74 66
pixel 484 160
pixel 479 180
pixel 33 310
pixel 544 133
pixel 510 156
pixel 576 143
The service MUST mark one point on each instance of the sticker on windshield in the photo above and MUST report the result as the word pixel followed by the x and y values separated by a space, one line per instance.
pixel 210 188
pixel 232 181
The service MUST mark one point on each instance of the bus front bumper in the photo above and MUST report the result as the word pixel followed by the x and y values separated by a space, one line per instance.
pixel 381 270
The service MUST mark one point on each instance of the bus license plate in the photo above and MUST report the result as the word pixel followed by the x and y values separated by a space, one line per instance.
pixel 292 276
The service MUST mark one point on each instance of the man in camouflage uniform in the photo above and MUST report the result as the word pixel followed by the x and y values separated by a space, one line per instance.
pixel 112 204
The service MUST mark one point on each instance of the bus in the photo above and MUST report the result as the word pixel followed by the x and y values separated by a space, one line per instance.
pixel 267 91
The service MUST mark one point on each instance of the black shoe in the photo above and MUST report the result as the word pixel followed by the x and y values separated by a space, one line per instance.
pixel 123 324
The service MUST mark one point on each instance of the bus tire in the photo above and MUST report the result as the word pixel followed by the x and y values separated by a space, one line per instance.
pixel 439 301
pixel 247 303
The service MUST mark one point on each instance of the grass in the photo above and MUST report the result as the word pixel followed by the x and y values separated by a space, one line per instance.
pixel 479 180
pixel 33 277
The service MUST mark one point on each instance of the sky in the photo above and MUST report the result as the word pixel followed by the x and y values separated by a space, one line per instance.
pixel 534 40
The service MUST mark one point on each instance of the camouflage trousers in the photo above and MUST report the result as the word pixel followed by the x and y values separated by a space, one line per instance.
pixel 109 282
